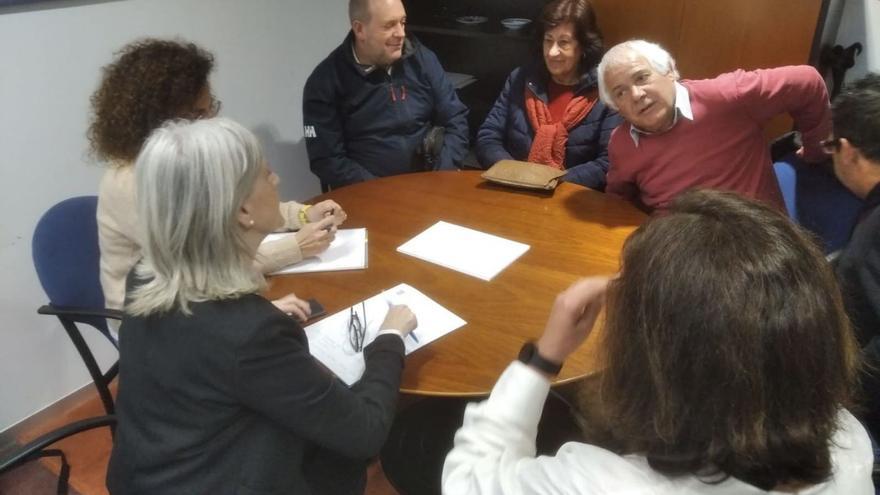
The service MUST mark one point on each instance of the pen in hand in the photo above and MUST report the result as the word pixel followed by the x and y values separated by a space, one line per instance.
pixel 329 213
pixel 412 333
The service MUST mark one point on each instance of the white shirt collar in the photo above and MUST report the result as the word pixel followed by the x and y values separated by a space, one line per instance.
pixel 682 108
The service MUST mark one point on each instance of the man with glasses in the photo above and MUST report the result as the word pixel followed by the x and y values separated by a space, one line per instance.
pixel 380 104
pixel 855 149
pixel 708 133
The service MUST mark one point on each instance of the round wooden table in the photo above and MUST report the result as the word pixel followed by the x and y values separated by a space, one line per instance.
pixel 573 232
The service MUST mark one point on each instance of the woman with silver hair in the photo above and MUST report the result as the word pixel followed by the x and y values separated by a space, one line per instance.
pixel 149 82
pixel 217 390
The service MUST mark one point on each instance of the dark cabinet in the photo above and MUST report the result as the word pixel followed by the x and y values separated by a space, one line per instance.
pixel 487 51
pixel 705 37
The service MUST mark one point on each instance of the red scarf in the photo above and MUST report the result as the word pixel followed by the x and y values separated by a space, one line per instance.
pixel 548 145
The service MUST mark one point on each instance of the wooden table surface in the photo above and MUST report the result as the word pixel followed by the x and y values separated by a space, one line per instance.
pixel 573 232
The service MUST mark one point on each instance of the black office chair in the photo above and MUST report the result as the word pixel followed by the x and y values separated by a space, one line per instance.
pixel 37 448
pixel 66 257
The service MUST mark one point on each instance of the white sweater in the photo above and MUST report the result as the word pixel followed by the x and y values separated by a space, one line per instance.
pixel 494 454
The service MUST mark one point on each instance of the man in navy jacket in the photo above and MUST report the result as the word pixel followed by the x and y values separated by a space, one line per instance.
pixel 369 106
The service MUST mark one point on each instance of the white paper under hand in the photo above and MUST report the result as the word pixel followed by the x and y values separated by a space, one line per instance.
pixel 348 251
pixel 329 339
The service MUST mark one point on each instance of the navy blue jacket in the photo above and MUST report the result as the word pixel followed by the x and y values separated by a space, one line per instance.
pixel 507 133
pixel 359 125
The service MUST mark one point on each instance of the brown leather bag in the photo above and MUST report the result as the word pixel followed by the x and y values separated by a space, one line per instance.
pixel 524 174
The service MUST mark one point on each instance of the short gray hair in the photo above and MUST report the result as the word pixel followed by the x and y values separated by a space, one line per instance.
pixel 192 177
pixel 660 60
pixel 359 10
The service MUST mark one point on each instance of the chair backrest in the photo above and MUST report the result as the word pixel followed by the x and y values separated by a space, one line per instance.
pixel 67 258
pixel 787 179
pixel 817 200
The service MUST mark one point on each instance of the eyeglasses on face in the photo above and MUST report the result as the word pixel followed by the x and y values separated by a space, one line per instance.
pixel 357 328
pixel 830 145
pixel 208 113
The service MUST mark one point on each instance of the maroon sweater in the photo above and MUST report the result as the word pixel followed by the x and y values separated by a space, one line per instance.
pixel 724 146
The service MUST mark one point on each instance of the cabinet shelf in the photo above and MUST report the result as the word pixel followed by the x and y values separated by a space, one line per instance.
pixel 487 30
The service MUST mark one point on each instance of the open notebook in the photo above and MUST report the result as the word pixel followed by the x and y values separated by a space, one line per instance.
pixel 329 339
pixel 348 251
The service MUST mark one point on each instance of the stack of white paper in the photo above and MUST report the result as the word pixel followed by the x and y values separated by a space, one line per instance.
pixel 329 340
pixel 465 250
pixel 348 251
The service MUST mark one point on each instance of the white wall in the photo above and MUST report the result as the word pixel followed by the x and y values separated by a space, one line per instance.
pixel 832 21
pixel 860 22
pixel 49 66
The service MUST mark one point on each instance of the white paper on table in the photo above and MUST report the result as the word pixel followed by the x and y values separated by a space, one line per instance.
pixel 469 251
pixel 329 342
pixel 348 251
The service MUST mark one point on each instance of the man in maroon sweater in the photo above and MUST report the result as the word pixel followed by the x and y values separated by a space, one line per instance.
pixel 706 133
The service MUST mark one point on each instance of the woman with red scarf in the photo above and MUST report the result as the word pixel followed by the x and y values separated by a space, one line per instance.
pixel 550 112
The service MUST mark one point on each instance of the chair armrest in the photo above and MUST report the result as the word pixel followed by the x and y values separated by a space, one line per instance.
pixel 48 309
pixel 24 452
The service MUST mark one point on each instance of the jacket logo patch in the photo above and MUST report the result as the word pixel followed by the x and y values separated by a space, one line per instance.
pixel 309 131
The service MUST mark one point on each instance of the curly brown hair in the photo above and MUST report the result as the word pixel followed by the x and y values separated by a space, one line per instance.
pixel 150 82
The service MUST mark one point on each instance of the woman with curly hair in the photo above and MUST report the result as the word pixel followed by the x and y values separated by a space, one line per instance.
pixel 549 111
pixel 152 81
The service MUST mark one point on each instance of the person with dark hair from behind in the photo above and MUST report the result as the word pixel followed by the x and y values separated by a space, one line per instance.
pixel 218 393
pixel 151 81
pixel 549 111
pixel 855 148
pixel 729 365
pixel 380 104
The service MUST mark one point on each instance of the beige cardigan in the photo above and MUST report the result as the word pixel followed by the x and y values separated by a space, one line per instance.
pixel 120 249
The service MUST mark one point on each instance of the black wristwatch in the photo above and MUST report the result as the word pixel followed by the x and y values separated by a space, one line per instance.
pixel 529 355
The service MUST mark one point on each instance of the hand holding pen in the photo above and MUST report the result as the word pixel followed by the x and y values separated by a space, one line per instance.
pixel 314 238
pixel 324 209
pixel 402 319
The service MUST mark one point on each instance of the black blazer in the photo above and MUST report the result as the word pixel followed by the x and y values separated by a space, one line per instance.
pixel 858 270
pixel 229 401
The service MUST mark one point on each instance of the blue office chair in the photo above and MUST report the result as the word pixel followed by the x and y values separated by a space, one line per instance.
pixel 818 201
pixel 786 176
pixel 66 257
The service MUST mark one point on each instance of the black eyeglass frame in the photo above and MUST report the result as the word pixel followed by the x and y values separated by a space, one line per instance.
pixel 357 329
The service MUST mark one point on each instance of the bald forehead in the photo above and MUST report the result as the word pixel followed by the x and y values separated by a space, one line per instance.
pixel 364 10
